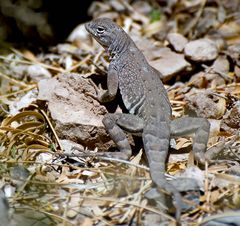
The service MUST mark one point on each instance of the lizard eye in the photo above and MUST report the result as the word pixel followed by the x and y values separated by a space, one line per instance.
pixel 100 30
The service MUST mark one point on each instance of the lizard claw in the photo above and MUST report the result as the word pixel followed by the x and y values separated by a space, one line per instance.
pixel 93 84
pixel 98 89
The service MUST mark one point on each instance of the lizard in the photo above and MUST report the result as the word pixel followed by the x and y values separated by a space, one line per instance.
pixel 147 102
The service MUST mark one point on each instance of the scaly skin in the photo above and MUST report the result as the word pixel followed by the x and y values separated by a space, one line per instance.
pixel 147 101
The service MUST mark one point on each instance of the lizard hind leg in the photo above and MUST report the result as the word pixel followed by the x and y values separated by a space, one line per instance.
pixel 189 125
pixel 115 124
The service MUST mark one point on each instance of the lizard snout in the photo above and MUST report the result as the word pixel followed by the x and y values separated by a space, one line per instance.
pixel 88 27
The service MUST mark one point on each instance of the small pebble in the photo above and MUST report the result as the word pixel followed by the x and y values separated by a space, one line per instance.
pixel 177 41
pixel 201 50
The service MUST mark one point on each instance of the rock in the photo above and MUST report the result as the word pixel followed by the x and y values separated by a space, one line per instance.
pixel 71 147
pixel 231 120
pixel 205 104
pixel 149 50
pixel 201 50
pixel 19 175
pixel 142 7
pixel 234 52
pixel 61 49
pixel 169 63
pixel 237 71
pixel 71 214
pixel 97 9
pixel 208 22
pixel 164 60
pixel 117 6
pixel 79 35
pixel 221 65
pixel 177 41
pixel 77 116
pixel 37 72
pixel 219 41
pixel 194 179
pixel 215 75
pixel 219 71
pixel 17 71
pixel 199 80
pixel 23 102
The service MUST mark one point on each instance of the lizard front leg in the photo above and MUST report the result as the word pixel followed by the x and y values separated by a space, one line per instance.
pixel 108 95
pixel 189 125
pixel 115 124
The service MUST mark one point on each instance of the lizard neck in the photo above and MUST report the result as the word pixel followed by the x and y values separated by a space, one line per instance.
pixel 119 45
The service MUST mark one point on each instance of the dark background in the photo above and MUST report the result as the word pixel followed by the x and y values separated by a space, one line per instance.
pixel 40 22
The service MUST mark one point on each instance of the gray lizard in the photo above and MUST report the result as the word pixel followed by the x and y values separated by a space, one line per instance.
pixel 146 99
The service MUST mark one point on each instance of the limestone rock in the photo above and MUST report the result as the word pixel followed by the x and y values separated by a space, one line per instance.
pixel 78 117
pixel 177 40
pixel 169 63
pixel 201 50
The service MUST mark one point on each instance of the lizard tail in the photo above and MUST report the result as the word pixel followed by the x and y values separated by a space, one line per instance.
pixel 156 136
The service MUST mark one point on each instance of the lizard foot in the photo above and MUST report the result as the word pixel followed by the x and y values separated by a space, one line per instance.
pixel 164 202
pixel 98 90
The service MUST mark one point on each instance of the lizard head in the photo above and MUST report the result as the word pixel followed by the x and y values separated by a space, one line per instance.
pixel 104 31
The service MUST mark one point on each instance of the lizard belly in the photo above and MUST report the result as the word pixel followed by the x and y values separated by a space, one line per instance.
pixel 133 105
pixel 131 88
pixel 132 98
